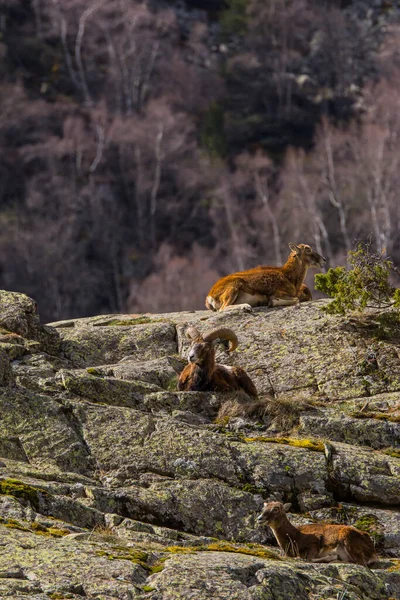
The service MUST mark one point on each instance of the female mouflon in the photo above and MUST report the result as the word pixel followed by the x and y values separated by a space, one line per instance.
pixel 319 542
pixel 267 286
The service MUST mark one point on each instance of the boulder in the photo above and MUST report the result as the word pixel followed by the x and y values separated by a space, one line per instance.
pixel 115 485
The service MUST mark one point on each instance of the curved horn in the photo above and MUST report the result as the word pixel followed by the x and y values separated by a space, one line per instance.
pixel 192 333
pixel 224 334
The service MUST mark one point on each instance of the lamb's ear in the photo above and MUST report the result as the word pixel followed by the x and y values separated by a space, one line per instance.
pixel 286 507
pixel 294 248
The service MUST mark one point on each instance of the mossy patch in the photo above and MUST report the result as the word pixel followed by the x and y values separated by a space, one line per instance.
pixel 130 322
pixel 137 557
pixel 172 384
pixel 376 415
pixel 95 372
pixel 13 524
pixel 223 546
pixel 250 549
pixel 394 452
pixel 18 489
pixel 252 489
pixel 54 532
pixel 314 445
pixel 148 588
pixel 371 525
pixel 395 566
pixel 34 527
pixel 159 566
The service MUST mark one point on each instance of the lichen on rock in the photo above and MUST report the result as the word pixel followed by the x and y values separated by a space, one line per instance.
pixel 115 485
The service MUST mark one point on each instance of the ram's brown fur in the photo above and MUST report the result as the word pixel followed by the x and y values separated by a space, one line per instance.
pixel 264 285
pixel 319 542
pixel 204 374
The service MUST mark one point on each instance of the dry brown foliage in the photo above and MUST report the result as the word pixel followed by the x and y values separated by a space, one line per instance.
pixel 281 413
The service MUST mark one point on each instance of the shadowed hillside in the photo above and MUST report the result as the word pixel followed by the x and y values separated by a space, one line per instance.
pixel 144 142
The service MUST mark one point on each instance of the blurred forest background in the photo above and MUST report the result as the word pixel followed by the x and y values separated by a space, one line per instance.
pixel 149 147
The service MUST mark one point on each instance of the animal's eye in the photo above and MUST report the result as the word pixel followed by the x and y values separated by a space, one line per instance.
pixel 275 510
pixel 308 250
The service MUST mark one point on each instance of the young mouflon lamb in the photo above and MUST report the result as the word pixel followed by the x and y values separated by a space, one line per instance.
pixel 317 542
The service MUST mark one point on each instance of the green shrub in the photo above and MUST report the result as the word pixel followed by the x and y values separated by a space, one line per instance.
pixel 234 18
pixel 363 284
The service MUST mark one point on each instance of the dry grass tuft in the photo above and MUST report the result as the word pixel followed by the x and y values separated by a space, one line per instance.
pixel 281 413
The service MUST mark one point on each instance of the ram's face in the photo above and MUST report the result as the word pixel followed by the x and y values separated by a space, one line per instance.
pixel 199 352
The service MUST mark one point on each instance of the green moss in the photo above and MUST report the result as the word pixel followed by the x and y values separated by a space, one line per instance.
pixel 148 588
pixel 371 525
pixel 18 489
pixel 253 549
pixel 94 371
pixel 395 567
pixel 223 422
pixel 55 532
pixel 60 596
pixel 159 566
pixel 314 445
pixel 391 452
pixel 376 415
pixel 172 384
pixel 219 527
pixel 182 549
pixel 13 524
pixel 130 322
pixel 137 557
pixel 156 569
pixel 222 546
pixel 35 528
pixel 252 489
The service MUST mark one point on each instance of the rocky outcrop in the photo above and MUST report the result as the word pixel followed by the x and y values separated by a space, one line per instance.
pixel 115 485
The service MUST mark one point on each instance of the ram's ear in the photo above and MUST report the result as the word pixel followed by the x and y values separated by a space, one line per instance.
pixel 286 507
pixel 294 248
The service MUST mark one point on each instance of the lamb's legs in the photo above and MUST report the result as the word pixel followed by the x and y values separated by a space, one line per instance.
pixel 243 307
pixel 284 300
pixel 331 557
pixel 229 297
